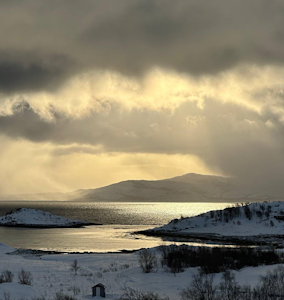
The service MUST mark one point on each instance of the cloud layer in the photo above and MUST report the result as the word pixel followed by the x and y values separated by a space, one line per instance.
pixel 47 40
pixel 103 82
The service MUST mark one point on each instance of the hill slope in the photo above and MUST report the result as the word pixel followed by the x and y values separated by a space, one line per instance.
pixel 187 188
pixel 248 220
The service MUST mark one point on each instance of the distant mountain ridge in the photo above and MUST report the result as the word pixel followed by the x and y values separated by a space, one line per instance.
pixel 190 187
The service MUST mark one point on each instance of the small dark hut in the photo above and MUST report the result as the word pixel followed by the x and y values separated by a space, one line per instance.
pixel 99 290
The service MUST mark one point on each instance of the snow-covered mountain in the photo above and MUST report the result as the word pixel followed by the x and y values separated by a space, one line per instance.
pixel 27 217
pixel 247 220
pixel 187 188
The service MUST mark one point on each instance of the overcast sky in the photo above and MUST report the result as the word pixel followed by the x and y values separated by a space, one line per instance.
pixel 95 92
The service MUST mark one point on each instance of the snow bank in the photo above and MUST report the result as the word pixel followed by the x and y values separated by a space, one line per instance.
pixel 52 274
pixel 18 291
pixel 27 217
pixel 5 249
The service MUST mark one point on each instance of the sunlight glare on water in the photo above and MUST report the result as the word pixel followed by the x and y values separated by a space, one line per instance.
pixel 130 213
pixel 118 219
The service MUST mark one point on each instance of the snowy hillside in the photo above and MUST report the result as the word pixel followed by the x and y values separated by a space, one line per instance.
pixel 248 220
pixel 26 217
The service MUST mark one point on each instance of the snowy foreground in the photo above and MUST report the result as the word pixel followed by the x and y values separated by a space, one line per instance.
pixel 255 219
pixel 27 217
pixel 52 274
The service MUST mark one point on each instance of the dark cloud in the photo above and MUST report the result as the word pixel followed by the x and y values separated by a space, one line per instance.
pixel 198 37
pixel 188 129
pixel 24 71
pixel 23 78
pixel 182 35
pixel 25 123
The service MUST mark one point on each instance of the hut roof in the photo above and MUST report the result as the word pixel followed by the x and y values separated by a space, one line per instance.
pixel 99 284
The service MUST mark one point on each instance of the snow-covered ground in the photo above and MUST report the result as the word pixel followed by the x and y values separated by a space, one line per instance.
pixel 27 217
pixel 248 220
pixel 52 274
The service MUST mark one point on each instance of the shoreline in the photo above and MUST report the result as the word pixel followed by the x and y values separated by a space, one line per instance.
pixel 275 241
pixel 254 240
pixel 35 252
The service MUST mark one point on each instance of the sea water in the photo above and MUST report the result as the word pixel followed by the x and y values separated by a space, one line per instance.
pixel 119 221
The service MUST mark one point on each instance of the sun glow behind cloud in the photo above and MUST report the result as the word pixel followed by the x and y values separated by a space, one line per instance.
pixel 159 89
pixel 50 168
pixel 56 166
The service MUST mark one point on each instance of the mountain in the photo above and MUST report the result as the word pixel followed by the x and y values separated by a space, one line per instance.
pixel 187 188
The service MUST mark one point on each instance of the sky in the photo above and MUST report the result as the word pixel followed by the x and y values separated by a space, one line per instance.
pixel 95 92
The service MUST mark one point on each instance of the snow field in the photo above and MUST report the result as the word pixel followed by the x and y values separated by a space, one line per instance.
pixel 52 274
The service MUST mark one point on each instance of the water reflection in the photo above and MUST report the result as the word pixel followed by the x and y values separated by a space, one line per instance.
pixel 106 238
